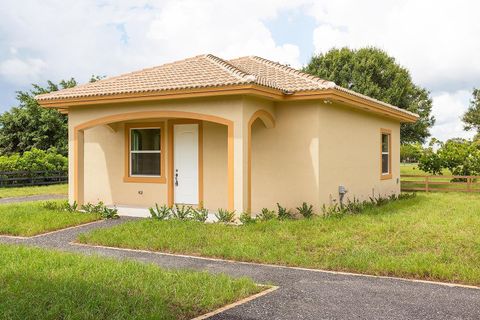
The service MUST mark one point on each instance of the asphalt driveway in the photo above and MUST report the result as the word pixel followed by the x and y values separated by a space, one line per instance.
pixel 302 294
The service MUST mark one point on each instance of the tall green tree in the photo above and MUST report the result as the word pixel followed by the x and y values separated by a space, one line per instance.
pixel 471 118
pixel 372 72
pixel 29 126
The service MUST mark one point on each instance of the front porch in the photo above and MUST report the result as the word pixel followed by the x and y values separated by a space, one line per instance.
pixel 135 159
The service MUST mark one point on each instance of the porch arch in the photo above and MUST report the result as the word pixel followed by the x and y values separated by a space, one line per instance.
pixel 78 142
pixel 269 123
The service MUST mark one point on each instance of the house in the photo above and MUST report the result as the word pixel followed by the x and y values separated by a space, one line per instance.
pixel 241 134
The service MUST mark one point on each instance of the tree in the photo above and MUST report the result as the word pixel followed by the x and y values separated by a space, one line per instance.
pixel 30 126
pixel 460 156
pixel 372 72
pixel 471 118
pixel 410 152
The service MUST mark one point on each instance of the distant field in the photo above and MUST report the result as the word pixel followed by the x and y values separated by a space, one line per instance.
pixel 32 191
pixel 412 168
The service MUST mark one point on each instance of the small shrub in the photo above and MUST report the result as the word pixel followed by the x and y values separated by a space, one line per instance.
pixel 224 215
pixel 356 206
pixel 71 207
pixel 246 218
pixel 305 210
pixel 110 213
pixel 160 213
pixel 379 201
pixel 34 160
pixel 406 196
pixel 93 208
pixel 266 215
pixel 200 214
pixel 283 213
pixel 182 212
pixel 99 208
pixel 330 211
pixel 53 205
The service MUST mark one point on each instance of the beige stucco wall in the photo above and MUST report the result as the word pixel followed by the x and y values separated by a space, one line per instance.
pixel 313 148
pixel 215 179
pixel 285 158
pixel 349 153
pixel 316 147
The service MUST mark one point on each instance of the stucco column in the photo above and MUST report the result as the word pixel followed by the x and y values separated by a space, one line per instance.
pixel 78 170
pixel 240 165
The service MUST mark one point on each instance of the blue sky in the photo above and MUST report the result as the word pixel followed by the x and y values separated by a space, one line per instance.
pixel 57 39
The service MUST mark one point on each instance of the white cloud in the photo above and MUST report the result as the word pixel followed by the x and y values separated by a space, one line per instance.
pixel 20 71
pixel 448 109
pixel 219 28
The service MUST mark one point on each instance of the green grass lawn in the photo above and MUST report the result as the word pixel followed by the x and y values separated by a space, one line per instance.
pixel 433 236
pixel 41 284
pixel 30 218
pixel 31 191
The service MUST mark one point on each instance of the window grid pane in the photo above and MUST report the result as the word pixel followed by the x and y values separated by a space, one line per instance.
pixel 145 164
pixel 145 139
pixel 385 142
pixel 385 168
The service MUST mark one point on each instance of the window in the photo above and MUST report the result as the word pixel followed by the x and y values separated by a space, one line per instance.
pixel 144 161
pixel 145 152
pixel 386 161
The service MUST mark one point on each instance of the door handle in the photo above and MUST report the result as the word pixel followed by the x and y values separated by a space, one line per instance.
pixel 176 177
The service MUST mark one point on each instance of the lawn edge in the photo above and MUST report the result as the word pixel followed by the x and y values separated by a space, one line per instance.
pixel 49 232
pixel 237 303
pixel 447 284
pixel 54 196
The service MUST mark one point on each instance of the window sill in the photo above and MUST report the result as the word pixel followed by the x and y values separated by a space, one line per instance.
pixel 145 179
pixel 386 176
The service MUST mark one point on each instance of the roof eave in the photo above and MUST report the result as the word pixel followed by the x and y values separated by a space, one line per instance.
pixel 245 89
pixel 333 94
pixel 359 102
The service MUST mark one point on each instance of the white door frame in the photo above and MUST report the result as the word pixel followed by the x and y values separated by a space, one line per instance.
pixel 171 151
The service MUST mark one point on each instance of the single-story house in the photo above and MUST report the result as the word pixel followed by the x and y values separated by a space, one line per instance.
pixel 239 134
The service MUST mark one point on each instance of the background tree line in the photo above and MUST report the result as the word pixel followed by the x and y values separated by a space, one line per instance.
pixel 33 138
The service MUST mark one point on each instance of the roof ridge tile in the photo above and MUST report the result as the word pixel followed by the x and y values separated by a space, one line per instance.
pixel 306 76
pixel 242 75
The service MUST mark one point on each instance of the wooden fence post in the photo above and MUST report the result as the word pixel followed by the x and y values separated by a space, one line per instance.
pixel 469 184
pixel 426 183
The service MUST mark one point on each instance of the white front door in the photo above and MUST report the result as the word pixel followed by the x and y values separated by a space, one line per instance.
pixel 185 170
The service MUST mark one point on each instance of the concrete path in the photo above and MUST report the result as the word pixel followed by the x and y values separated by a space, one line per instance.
pixel 32 198
pixel 303 294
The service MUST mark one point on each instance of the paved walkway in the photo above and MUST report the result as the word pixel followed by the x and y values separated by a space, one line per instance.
pixel 303 294
pixel 32 198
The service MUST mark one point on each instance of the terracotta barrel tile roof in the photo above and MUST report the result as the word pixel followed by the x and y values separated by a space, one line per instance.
pixel 198 72
pixel 206 71
pixel 287 78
